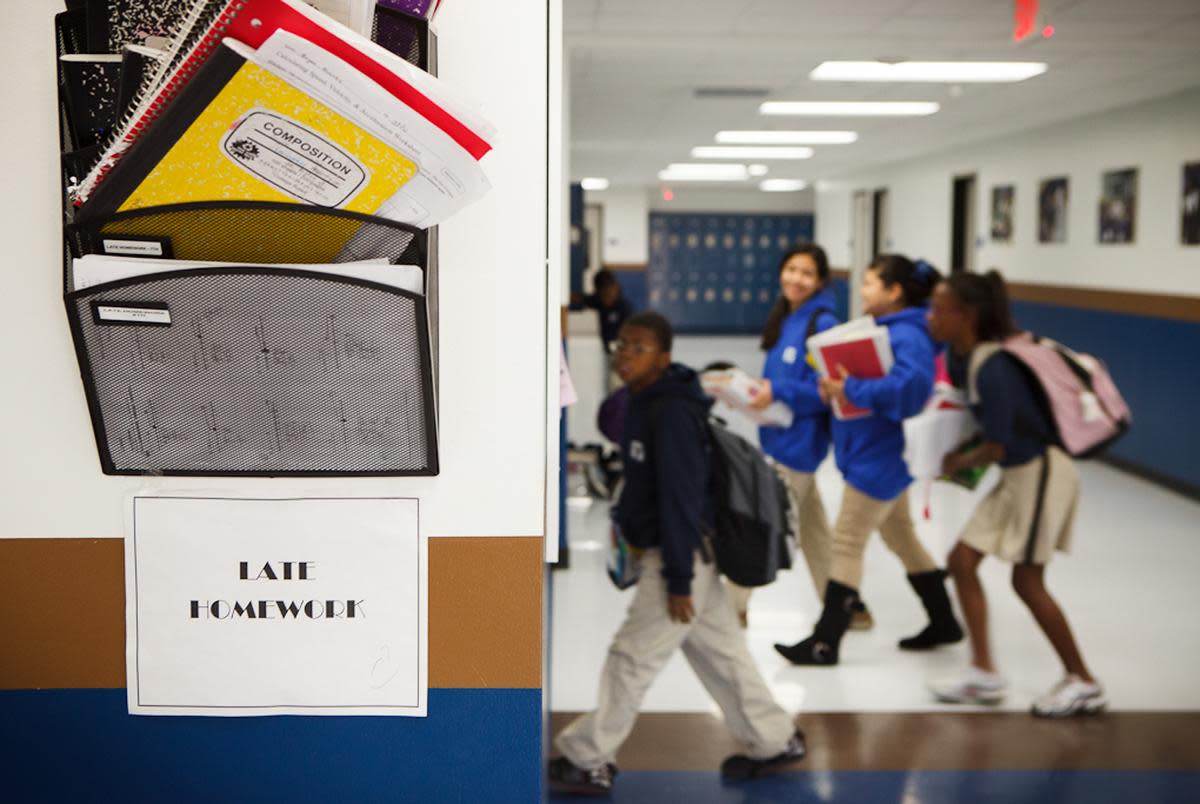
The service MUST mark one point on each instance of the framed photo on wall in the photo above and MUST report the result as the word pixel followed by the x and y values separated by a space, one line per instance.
pixel 1191 204
pixel 1052 210
pixel 1002 213
pixel 1118 205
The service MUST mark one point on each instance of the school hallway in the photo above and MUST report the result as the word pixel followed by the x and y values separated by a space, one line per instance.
pixel 874 732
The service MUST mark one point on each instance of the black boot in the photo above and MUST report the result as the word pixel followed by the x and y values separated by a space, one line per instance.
pixel 822 647
pixel 943 628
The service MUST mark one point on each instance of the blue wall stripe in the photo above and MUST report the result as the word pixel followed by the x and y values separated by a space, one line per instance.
pixel 81 745
pixel 1156 364
pixel 927 787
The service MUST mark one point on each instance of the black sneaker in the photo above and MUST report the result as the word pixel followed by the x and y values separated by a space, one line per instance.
pixel 566 777
pixel 739 767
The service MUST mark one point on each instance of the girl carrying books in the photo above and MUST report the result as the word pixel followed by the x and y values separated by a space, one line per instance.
pixel 869 454
pixel 804 308
pixel 1028 515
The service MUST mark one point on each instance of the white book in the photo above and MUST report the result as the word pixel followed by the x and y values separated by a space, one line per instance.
pixel 736 389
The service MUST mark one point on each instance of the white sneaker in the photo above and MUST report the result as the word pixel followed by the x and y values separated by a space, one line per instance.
pixel 1071 696
pixel 972 686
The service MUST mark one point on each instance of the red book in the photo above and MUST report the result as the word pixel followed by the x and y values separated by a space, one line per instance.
pixel 860 347
pixel 860 359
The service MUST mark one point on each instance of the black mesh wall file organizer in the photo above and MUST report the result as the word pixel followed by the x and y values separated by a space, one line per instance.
pixel 252 371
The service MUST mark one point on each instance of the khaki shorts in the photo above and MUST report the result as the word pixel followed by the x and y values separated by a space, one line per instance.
pixel 1030 513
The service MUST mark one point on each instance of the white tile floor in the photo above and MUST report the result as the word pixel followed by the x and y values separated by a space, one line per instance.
pixel 1129 588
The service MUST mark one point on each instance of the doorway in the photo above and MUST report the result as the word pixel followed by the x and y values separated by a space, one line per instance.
pixel 880 242
pixel 962 225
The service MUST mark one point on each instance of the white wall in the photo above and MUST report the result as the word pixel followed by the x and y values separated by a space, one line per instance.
pixel 494 290
pixel 1156 137
pixel 627 212
pixel 626 233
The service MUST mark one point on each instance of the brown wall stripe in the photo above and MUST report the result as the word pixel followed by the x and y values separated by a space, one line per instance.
pixel 62 613
pixel 1181 308
pixel 628 267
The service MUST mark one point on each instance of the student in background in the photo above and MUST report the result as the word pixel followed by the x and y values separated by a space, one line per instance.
pixel 679 601
pixel 1027 516
pixel 868 452
pixel 612 308
pixel 804 308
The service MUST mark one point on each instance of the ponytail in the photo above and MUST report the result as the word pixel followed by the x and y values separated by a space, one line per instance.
pixel 780 309
pixel 987 295
pixel 916 279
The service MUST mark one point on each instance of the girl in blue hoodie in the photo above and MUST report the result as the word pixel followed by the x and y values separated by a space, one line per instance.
pixel 869 454
pixel 804 308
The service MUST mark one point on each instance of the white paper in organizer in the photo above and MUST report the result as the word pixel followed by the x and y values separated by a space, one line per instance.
pixel 341 629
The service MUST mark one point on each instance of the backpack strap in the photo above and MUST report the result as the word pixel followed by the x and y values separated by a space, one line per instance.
pixel 812 321
pixel 979 356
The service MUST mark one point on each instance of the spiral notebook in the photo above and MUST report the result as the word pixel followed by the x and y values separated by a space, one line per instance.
pixel 252 22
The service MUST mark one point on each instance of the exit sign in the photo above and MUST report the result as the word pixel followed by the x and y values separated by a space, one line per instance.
pixel 1024 18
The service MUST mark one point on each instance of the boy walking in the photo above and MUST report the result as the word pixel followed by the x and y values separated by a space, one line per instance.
pixel 679 601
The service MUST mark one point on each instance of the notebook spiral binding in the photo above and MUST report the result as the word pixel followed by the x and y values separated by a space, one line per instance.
pixel 160 88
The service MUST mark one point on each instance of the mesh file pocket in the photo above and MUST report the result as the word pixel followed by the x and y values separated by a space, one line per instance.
pixel 249 231
pixel 407 37
pixel 253 371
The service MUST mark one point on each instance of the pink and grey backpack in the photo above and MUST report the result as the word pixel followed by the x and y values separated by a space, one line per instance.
pixel 1087 409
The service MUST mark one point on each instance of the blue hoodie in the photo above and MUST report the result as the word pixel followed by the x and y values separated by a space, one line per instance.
pixel 665 450
pixel 794 382
pixel 869 450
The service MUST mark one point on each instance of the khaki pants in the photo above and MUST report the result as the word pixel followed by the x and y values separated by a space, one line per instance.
pixel 816 540
pixel 713 645
pixel 860 516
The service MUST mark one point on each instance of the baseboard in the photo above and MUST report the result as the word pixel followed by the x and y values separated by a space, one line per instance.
pixel 1190 490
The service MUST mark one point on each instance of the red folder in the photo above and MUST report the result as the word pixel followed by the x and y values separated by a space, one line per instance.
pixel 252 21
pixel 860 359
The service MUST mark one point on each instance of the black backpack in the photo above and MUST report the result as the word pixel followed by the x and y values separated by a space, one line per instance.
pixel 751 504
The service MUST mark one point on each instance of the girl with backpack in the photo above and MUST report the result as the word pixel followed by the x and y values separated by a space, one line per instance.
pixel 1028 515
pixel 804 308
pixel 869 454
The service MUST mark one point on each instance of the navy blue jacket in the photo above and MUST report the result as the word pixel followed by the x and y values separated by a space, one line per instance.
pixel 611 318
pixel 794 382
pixel 665 451
pixel 1010 410
pixel 869 450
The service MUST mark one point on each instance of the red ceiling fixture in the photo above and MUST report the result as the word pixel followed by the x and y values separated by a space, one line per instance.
pixel 1048 32
pixel 1025 14
pixel 667 195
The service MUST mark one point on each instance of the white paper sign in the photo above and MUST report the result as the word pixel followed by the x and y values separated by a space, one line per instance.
pixel 239 606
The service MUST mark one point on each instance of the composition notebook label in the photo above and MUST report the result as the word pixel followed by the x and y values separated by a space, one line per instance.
pixel 294 159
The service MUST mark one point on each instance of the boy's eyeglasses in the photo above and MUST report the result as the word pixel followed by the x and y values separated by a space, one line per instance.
pixel 635 347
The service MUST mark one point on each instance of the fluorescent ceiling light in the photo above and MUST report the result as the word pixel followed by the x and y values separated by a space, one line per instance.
pixel 948 71
pixel 700 171
pixel 849 108
pixel 750 152
pixel 786 137
pixel 782 185
pixel 757 170
pixel 594 183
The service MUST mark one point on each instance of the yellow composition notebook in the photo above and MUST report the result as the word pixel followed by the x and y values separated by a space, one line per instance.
pixel 236 132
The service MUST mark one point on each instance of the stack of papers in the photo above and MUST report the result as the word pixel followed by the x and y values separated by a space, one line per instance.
pixel 355 127
pixel 736 389
pixel 859 348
